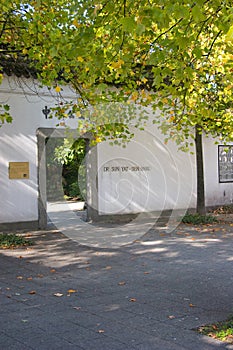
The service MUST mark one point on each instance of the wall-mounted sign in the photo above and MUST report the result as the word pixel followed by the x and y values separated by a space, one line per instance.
pixel 18 170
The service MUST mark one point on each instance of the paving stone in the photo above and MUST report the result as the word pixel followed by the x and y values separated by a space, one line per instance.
pixel 163 295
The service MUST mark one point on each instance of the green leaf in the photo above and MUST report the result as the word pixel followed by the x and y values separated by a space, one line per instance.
pixel 140 29
pixel 6 107
pixel 229 35
pixel 128 24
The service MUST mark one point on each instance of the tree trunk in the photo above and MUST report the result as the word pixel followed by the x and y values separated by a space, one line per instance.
pixel 200 173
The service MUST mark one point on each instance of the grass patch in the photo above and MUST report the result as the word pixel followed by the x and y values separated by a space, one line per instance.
pixel 222 330
pixel 197 219
pixel 11 240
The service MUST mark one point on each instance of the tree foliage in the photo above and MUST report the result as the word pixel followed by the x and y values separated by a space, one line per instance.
pixel 175 56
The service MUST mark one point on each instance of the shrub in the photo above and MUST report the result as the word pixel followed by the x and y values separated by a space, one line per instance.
pixel 11 240
pixel 197 219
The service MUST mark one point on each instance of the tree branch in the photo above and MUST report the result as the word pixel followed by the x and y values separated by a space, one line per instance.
pixel 167 31
pixel 212 44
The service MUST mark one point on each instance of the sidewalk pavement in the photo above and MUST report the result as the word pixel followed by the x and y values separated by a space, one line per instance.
pixel 146 295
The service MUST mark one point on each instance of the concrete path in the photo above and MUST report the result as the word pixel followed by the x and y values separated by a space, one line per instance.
pixel 69 219
pixel 148 295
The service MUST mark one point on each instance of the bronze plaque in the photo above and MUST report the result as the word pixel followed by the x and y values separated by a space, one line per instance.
pixel 18 170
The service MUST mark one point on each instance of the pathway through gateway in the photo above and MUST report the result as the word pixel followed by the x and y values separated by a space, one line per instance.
pixel 69 218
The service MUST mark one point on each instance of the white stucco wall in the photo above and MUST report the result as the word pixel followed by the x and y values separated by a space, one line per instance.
pixel 18 143
pixel 147 175
pixel 169 184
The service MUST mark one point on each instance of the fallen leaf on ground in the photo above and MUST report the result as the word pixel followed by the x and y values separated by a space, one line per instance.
pixel 32 292
pixel 133 300
pixel 71 291
pixel 191 305
pixel 171 317
pixel 40 275
pixel 52 270
pixel 146 273
pixel 58 294
pixel 101 331
pixel 122 283
pixel 77 307
pixel 19 277
pixel 29 278
pixel 108 267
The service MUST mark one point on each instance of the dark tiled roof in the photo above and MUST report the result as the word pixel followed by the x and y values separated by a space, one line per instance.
pixel 13 62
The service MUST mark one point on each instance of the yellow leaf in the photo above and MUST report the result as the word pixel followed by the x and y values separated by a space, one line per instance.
pixel 76 24
pixel 80 59
pixel 71 291
pixel 98 139
pixel 117 64
pixel 171 119
pixel 134 96
pixel 78 114
pixel 57 89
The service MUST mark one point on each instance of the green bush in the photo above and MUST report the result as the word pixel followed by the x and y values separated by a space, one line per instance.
pixel 11 240
pixel 197 219
pixel 73 190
